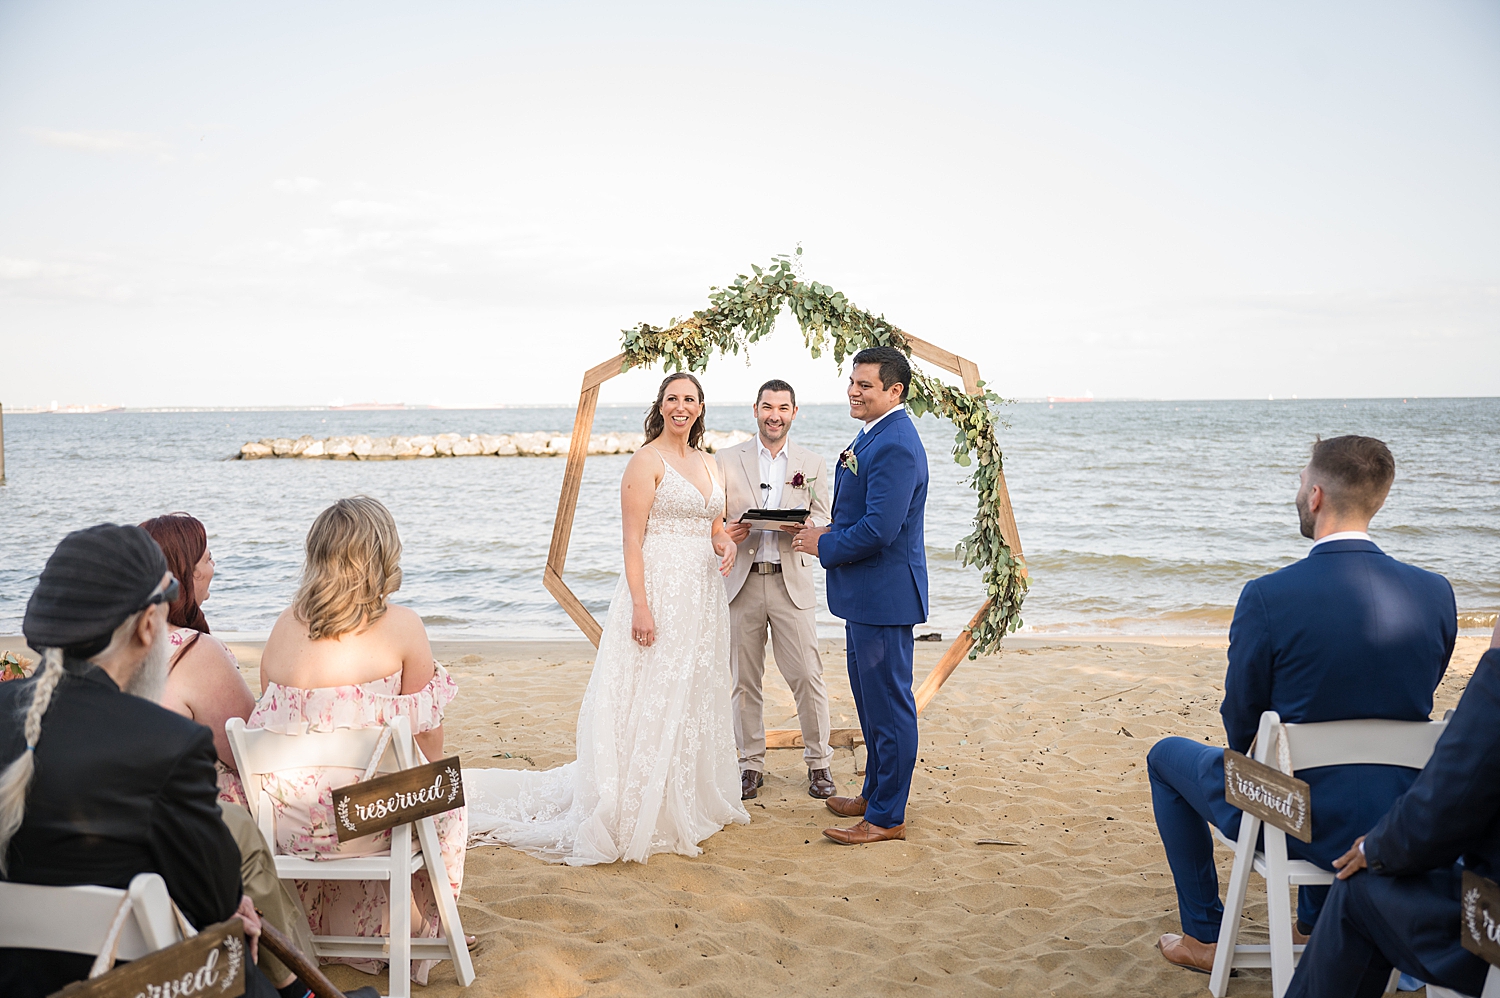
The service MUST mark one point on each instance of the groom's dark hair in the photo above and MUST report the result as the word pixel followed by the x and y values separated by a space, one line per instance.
pixel 776 385
pixel 895 369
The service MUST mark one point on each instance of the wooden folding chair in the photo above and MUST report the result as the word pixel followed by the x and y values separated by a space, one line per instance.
pixel 1289 748
pixel 258 752
pixel 78 919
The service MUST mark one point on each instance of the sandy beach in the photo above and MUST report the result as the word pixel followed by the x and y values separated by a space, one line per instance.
pixel 1041 747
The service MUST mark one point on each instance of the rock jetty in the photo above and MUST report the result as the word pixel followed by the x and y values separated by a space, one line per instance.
pixel 364 448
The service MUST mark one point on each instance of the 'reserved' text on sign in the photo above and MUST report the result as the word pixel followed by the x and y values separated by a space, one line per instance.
pixel 209 965
pixel 1274 797
pixel 1479 919
pixel 387 801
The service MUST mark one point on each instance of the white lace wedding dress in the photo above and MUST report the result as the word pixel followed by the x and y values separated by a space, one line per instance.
pixel 656 768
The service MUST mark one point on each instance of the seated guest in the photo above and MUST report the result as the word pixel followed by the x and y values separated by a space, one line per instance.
pixel 204 683
pixel 204 680
pixel 129 787
pixel 343 656
pixel 1405 911
pixel 1347 632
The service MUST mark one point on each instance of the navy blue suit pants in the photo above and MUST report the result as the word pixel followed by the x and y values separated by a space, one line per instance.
pixel 1187 794
pixel 1372 922
pixel 880 659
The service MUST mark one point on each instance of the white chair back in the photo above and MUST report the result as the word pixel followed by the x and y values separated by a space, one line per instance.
pixel 258 752
pixel 1344 743
pixel 78 919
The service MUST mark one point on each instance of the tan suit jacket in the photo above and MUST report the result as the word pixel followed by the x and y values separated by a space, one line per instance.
pixel 739 469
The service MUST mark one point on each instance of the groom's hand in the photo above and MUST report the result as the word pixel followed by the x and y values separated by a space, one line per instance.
pixel 806 541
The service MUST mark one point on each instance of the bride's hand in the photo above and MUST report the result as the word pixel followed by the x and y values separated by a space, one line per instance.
pixel 726 548
pixel 642 627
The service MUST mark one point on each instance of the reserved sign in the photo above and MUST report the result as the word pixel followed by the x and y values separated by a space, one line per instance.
pixel 209 965
pixel 387 801
pixel 1271 795
pixel 1480 924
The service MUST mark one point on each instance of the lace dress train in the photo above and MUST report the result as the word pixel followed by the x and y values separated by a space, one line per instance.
pixel 656 769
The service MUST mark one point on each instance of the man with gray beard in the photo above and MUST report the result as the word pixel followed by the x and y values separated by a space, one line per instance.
pixel 99 782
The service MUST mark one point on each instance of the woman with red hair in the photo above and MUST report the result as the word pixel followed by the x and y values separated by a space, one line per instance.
pixel 205 682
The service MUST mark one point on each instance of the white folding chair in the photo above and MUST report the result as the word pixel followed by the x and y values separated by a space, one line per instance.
pixel 1491 987
pixel 1289 748
pixel 78 919
pixel 258 752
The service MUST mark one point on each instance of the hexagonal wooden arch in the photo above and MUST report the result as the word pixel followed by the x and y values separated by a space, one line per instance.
pixel 567 506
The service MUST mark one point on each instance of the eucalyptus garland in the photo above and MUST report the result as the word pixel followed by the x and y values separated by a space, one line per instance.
pixel 746 310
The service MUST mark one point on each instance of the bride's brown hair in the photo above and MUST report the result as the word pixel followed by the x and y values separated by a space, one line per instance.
pixel 656 423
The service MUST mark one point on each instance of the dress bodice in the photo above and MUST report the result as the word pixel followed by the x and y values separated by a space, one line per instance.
pixel 291 710
pixel 679 509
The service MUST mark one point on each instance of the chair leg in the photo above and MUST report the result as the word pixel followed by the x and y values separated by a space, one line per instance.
pixel 1279 912
pixel 399 894
pixel 1234 906
pixel 452 925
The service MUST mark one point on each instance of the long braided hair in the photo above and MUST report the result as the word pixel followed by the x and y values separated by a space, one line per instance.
pixel 15 781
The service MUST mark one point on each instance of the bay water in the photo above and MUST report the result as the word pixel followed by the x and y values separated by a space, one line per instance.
pixel 1135 517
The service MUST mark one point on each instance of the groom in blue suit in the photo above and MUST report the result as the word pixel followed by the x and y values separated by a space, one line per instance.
pixel 1347 632
pixel 877 581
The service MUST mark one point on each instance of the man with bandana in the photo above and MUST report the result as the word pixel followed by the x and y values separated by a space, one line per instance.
pixel 101 783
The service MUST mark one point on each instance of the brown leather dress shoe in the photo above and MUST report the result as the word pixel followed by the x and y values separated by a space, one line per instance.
pixel 864 833
pixel 820 784
pixel 1185 951
pixel 750 784
pixel 846 807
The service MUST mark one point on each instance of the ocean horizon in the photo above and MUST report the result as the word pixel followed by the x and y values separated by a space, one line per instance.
pixel 1137 517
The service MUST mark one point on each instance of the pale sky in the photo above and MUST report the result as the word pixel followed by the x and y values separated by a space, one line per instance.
pixel 279 204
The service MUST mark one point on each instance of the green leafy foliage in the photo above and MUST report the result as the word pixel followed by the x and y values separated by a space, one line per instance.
pixel 744 311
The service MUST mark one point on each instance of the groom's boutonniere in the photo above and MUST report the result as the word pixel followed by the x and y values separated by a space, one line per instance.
pixel 850 461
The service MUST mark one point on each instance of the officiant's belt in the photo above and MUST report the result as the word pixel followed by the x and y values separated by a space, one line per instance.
pixel 767 567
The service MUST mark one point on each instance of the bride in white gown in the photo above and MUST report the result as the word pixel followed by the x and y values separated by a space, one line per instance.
pixel 656 768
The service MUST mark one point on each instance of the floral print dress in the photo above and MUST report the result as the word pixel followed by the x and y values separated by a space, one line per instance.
pixel 303 803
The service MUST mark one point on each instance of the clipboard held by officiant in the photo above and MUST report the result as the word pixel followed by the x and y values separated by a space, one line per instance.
pixel 775 519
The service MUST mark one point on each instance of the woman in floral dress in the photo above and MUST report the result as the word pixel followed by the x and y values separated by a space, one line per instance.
pixel 341 656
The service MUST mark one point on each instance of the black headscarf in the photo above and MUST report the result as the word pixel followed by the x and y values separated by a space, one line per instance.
pixel 95 579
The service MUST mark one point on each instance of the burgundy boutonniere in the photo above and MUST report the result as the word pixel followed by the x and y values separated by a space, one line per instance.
pixel 850 461
pixel 801 481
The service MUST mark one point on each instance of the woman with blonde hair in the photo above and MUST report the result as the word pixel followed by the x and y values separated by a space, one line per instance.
pixel 343 656
pixel 656 768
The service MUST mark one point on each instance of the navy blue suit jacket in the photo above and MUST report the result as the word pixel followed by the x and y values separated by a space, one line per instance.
pixel 875 551
pixel 1347 632
pixel 1453 807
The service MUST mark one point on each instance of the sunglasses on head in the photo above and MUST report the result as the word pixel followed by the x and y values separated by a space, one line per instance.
pixel 166 595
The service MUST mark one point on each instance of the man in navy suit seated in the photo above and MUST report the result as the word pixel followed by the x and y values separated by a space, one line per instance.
pixel 1407 913
pixel 1347 632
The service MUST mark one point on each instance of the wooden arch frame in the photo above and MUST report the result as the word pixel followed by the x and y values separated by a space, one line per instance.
pixel 567 506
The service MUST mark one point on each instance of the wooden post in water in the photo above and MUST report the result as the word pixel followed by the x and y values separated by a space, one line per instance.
pixel 2 443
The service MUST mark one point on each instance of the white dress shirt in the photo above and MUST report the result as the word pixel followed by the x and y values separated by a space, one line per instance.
pixel 772 473
pixel 870 423
pixel 1342 535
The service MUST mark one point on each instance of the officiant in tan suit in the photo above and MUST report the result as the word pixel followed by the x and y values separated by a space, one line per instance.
pixel 772 586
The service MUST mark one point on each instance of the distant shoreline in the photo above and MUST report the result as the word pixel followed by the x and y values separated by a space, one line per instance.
pixel 71 410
